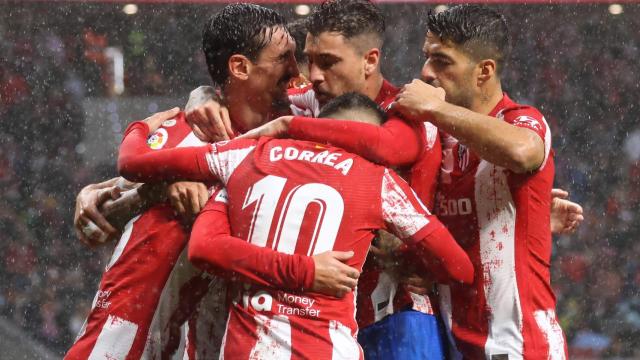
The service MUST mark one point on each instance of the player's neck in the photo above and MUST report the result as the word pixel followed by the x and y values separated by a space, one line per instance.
pixel 487 100
pixel 373 85
pixel 245 115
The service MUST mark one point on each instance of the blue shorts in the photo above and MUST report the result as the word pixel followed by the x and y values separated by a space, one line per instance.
pixel 404 335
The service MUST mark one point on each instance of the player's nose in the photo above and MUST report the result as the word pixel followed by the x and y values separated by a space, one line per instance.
pixel 315 74
pixel 427 74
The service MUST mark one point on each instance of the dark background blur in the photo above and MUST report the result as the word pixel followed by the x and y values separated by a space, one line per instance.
pixel 58 110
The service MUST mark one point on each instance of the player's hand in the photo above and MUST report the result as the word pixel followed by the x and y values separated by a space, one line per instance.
pixel 332 276
pixel 208 119
pixel 90 225
pixel 155 121
pixel 566 215
pixel 187 199
pixel 275 128
pixel 417 100
pixel 417 284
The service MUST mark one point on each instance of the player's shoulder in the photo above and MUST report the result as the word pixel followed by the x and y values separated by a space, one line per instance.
pixel 522 115
pixel 173 133
pixel 511 110
pixel 236 144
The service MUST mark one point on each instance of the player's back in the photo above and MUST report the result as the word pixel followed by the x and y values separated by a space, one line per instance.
pixel 304 198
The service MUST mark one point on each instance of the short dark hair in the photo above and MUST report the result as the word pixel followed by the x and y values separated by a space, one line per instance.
pixel 350 18
pixel 352 101
pixel 298 31
pixel 237 29
pixel 478 29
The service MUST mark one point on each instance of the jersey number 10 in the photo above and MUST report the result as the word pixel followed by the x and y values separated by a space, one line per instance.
pixel 266 194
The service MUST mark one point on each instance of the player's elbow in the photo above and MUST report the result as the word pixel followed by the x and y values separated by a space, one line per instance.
pixel 526 157
pixel 196 253
pixel 127 169
pixel 464 272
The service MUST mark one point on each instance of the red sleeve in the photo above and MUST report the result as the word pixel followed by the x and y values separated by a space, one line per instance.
pixel 395 143
pixel 137 162
pixel 213 249
pixel 407 218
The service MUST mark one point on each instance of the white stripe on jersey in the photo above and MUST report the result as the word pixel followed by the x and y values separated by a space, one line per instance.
pixel 274 338
pixel 384 292
pixel 191 140
pixel 447 316
pixel 224 163
pixel 552 333
pixel 497 225
pixel 115 339
pixel 345 347
pixel 122 243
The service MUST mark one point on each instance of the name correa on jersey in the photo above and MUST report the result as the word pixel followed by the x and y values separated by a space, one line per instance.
pixel 325 157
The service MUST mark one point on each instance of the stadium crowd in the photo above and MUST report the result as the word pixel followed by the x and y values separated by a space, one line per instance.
pixel 576 63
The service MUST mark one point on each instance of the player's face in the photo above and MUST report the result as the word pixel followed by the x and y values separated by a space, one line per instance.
pixel 336 66
pixel 449 68
pixel 274 68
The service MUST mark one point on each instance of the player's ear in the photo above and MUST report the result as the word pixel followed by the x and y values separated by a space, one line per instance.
pixel 486 70
pixel 371 61
pixel 239 66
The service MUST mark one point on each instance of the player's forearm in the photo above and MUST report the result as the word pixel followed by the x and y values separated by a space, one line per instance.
pixel 395 143
pixel 137 162
pixel 493 140
pixel 105 184
pixel 443 257
pixel 133 201
pixel 213 249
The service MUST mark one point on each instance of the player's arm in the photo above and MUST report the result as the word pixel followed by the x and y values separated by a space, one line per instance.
pixel 212 248
pixel 516 148
pixel 137 162
pixel 407 218
pixel 394 143
pixel 93 217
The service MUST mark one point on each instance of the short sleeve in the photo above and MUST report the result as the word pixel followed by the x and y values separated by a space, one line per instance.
pixel 403 213
pixel 532 119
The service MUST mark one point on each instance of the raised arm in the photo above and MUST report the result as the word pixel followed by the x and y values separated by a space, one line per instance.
pixel 396 143
pixel 212 248
pixel 518 149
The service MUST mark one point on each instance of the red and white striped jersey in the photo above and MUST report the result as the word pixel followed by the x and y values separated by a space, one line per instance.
pixel 149 288
pixel 413 149
pixel 306 198
pixel 501 219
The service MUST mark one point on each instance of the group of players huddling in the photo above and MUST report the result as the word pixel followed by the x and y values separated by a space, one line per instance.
pixel 287 212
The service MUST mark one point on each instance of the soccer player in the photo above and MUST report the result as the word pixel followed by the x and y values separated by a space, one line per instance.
pixel 494 191
pixel 142 279
pixel 294 196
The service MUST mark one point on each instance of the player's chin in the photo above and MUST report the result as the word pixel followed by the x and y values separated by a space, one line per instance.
pixel 281 104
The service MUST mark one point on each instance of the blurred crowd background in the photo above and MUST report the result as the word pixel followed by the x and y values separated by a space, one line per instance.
pixel 577 63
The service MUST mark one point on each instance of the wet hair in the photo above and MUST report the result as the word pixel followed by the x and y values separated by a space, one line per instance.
pixel 298 31
pixel 350 18
pixel 243 29
pixel 353 101
pixel 479 30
